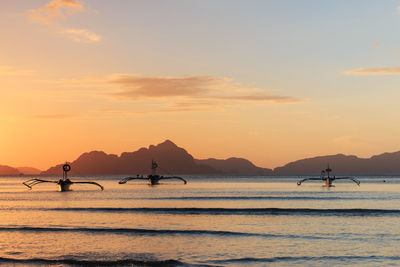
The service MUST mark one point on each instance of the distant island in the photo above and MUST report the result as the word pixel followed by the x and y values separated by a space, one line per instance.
pixel 170 158
pixel 7 170
pixel 383 164
pixel 176 160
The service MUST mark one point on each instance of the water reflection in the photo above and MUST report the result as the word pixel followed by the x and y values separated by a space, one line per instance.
pixel 90 225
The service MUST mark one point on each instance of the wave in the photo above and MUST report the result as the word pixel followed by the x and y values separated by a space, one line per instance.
pixel 254 198
pixel 125 231
pixel 140 231
pixel 243 211
pixel 288 198
pixel 74 262
pixel 193 232
pixel 212 198
pixel 176 263
pixel 305 258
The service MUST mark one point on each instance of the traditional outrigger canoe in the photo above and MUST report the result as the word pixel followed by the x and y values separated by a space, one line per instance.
pixel 328 179
pixel 153 178
pixel 64 183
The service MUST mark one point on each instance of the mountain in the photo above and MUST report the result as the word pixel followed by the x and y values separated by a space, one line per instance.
pixel 383 164
pixel 171 159
pixel 7 170
pixel 176 160
pixel 28 170
pixel 234 166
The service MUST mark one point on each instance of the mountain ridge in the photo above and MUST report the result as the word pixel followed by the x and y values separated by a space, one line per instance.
pixel 173 159
pixel 8 170
pixel 387 163
pixel 170 158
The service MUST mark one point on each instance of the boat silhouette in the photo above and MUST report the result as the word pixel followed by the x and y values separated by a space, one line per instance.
pixel 153 178
pixel 63 183
pixel 328 179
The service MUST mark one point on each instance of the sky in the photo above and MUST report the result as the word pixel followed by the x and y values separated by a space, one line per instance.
pixel 271 81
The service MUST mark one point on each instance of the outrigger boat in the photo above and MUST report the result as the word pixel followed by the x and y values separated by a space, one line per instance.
pixel 64 183
pixel 328 180
pixel 153 178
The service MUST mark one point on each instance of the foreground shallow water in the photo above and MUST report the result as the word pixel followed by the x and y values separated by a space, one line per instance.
pixel 213 221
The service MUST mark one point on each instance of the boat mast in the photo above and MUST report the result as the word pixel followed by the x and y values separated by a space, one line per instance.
pixel 153 167
pixel 66 168
pixel 328 170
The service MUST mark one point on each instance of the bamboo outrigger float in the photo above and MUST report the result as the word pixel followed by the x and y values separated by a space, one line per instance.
pixel 64 183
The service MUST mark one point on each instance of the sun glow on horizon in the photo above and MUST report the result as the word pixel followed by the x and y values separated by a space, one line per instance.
pixel 263 84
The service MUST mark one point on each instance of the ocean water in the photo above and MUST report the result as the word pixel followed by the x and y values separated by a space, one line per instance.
pixel 211 221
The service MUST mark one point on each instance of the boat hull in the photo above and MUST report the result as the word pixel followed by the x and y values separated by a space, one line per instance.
pixel 153 179
pixel 64 185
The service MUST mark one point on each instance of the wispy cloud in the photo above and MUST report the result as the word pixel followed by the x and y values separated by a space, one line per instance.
pixel 56 9
pixel 375 71
pixel 62 9
pixel 261 97
pixel 154 94
pixel 193 104
pixel 11 71
pixel 54 116
pixel 196 106
pixel 136 86
pixel 82 35
pixel 191 87
pixel 162 109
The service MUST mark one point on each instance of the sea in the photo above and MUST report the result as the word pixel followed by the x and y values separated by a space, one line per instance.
pixel 210 221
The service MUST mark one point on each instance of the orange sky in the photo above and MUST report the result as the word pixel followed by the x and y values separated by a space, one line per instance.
pixel 271 82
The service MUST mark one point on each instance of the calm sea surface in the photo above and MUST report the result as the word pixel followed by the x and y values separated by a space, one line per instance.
pixel 211 221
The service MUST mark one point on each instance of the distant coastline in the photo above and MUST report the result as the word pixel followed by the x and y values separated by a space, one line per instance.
pixel 176 160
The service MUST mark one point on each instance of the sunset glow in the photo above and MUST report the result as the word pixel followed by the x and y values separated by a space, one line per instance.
pixel 270 81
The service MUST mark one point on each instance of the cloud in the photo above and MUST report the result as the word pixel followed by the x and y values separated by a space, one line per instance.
pixel 56 9
pixel 192 104
pixel 162 109
pixel 82 35
pixel 136 86
pixel 54 116
pixel 154 94
pixel 375 71
pixel 195 106
pixel 191 87
pixel 377 44
pixel 62 9
pixel 11 71
pixel 260 97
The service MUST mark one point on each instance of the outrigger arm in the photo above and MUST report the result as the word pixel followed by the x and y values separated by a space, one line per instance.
pixel 332 179
pixel 311 178
pixel 33 182
pixel 174 177
pixel 99 185
pixel 123 181
pixel 349 178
